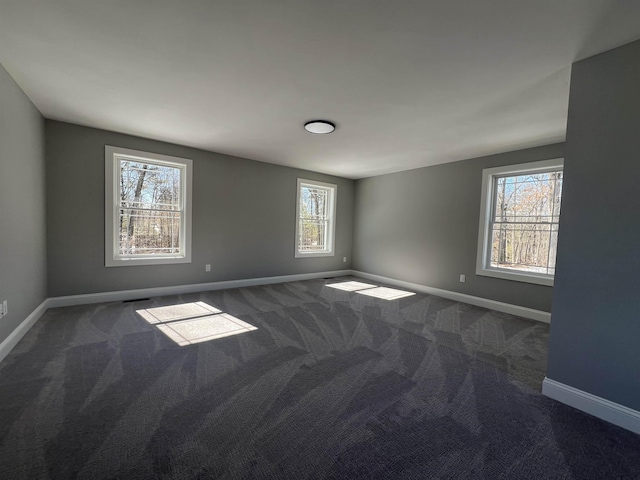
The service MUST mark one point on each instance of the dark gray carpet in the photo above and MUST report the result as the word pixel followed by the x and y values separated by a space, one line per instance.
pixel 332 384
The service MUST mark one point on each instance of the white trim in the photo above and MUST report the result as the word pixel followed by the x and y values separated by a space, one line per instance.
pixel 486 200
pixel 331 229
pixel 14 337
pixel 111 205
pixel 597 406
pixel 181 289
pixel 518 310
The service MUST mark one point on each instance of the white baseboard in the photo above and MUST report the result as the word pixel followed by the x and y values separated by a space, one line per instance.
pixel 598 407
pixel 525 312
pixel 53 302
pixel 180 289
pixel 14 337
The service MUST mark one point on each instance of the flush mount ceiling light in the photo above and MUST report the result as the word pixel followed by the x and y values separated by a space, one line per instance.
pixel 320 127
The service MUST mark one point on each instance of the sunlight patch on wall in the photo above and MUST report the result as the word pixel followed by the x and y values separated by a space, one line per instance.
pixel 195 322
pixel 385 293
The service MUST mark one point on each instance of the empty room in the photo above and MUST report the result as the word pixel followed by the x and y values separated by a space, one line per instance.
pixel 319 240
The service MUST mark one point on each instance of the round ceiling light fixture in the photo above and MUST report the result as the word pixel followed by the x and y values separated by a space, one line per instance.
pixel 319 127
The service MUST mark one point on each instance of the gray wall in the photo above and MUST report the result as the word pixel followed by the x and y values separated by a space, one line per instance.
pixel 595 325
pixel 22 209
pixel 421 226
pixel 243 217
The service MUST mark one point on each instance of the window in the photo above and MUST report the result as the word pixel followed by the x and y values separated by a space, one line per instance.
pixel 519 221
pixel 147 208
pixel 315 214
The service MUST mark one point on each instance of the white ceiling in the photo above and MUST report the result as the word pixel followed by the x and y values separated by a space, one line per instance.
pixel 408 83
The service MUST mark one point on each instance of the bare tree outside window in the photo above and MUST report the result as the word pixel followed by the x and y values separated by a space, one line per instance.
pixel 524 223
pixel 313 219
pixel 150 210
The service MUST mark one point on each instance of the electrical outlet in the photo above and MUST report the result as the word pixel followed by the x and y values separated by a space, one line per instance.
pixel 344 259
pixel 463 278
pixel 207 267
pixel 4 309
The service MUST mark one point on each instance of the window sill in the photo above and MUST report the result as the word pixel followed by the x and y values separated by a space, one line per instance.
pixel 516 276
pixel 136 262
pixel 314 254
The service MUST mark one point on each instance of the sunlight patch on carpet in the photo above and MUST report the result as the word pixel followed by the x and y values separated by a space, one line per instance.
pixel 190 323
pixel 181 311
pixel 350 286
pixel 385 293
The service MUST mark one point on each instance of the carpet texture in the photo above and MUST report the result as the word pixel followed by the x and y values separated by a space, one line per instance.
pixel 297 381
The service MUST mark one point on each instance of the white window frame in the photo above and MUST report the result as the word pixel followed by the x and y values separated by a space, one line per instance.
pixel 489 177
pixel 329 251
pixel 112 207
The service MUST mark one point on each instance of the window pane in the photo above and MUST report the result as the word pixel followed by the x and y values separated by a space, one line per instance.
pixel 149 232
pixel 528 198
pixel 313 203
pixel 524 246
pixel 313 235
pixel 145 185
